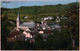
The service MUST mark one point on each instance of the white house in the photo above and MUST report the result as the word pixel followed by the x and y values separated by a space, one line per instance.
pixel 41 32
pixel 25 17
pixel 43 27
pixel 48 18
pixel 63 18
pixel 57 19
pixel 27 35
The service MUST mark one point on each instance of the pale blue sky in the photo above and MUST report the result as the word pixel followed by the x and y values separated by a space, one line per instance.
pixel 17 4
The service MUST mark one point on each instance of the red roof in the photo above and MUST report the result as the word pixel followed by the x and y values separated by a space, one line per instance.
pixel 13 34
pixel 49 31
pixel 32 33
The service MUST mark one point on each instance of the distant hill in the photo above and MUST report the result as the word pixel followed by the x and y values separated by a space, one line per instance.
pixel 40 9
pixel 37 11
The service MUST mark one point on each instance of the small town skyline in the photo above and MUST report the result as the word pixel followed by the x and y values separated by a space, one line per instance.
pixel 37 27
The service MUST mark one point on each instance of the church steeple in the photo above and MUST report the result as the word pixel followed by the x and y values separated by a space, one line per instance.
pixel 18 21
pixel 18 14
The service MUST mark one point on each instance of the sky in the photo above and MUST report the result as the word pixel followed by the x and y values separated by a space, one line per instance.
pixel 17 4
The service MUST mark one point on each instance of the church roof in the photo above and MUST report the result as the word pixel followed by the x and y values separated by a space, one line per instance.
pixel 28 24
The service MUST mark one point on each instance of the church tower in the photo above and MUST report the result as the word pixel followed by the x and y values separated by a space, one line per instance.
pixel 18 22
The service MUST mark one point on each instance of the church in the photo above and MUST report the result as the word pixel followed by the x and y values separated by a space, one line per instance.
pixel 22 31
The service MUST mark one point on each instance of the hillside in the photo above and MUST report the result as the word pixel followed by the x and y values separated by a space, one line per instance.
pixel 37 11
pixel 60 40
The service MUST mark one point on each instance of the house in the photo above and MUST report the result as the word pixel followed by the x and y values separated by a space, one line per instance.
pixel 37 24
pixel 25 17
pixel 51 23
pixel 27 35
pixel 48 31
pixel 43 27
pixel 41 32
pixel 63 18
pixel 45 18
pixel 57 19
pixel 14 36
pixel 32 33
pixel 56 26
pixel 43 22
pixel 48 18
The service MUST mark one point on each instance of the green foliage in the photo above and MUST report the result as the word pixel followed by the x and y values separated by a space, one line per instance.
pixel 20 45
pixel 60 40
pixel 73 22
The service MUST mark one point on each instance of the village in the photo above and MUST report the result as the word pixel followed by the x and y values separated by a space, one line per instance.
pixel 27 31
pixel 40 25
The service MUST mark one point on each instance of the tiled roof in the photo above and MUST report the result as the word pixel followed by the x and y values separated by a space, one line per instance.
pixel 32 33
pixel 49 31
pixel 28 24
pixel 13 34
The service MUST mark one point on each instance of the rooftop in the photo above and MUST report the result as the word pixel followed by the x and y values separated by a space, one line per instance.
pixel 28 24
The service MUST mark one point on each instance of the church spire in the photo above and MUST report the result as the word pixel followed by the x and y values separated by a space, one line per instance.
pixel 18 14
pixel 18 21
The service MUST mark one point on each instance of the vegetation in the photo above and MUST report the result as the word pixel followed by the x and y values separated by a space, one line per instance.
pixel 60 40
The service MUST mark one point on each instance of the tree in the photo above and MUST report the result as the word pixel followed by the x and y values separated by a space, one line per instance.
pixel 4 31
pixel 39 41
pixel 59 40
pixel 73 22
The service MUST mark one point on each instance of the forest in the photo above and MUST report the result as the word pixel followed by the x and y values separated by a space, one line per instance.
pixel 59 41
